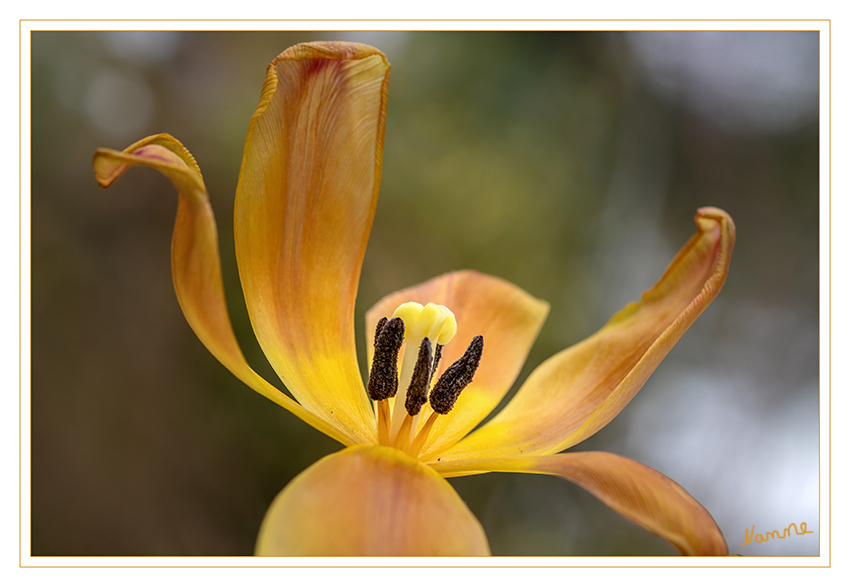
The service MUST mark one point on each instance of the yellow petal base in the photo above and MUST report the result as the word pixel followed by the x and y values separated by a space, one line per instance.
pixel 370 501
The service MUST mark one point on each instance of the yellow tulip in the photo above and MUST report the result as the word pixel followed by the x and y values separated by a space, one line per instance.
pixel 306 198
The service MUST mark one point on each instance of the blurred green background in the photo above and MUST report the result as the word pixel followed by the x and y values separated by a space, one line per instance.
pixel 570 164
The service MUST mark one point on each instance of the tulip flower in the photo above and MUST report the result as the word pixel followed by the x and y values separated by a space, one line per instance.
pixel 442 354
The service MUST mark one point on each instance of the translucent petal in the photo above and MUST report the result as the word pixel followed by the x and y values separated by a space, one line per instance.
pixel 306 198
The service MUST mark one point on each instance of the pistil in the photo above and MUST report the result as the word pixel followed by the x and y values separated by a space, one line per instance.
pixel 383 378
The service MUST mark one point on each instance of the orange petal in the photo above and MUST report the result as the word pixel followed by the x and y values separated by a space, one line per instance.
pixel 507 317
pixel 304 207
pixel 195 264
pixel 628 487
pixel 578 391
pixel 370 501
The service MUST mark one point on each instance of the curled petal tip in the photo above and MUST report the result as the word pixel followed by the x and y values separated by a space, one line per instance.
pixel 329 50
pixel 715 214
pixel 162 152
pixel 721 219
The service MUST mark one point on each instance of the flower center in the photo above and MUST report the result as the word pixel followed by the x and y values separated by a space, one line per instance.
pixel 424 329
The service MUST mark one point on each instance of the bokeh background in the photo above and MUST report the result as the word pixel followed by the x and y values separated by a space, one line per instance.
pixel 568 163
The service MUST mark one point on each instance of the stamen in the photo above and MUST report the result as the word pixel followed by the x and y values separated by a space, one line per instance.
pixel 456 377
pixel 402 439
pixel 438 354
pixel 383 378
pixel 417 392
pixel 383 422
pixel 419 440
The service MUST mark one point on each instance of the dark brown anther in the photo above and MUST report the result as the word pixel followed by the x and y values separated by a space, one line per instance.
pixel 438 353
pixel 456 377
pixel 417 391
pixel 383 378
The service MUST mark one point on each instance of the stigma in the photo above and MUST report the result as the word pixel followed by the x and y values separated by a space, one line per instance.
pixel 423 330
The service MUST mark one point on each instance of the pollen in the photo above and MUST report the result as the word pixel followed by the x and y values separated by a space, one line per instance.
pixel 456 378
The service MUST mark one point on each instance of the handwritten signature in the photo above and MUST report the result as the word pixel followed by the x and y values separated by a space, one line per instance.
pixel 750 534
